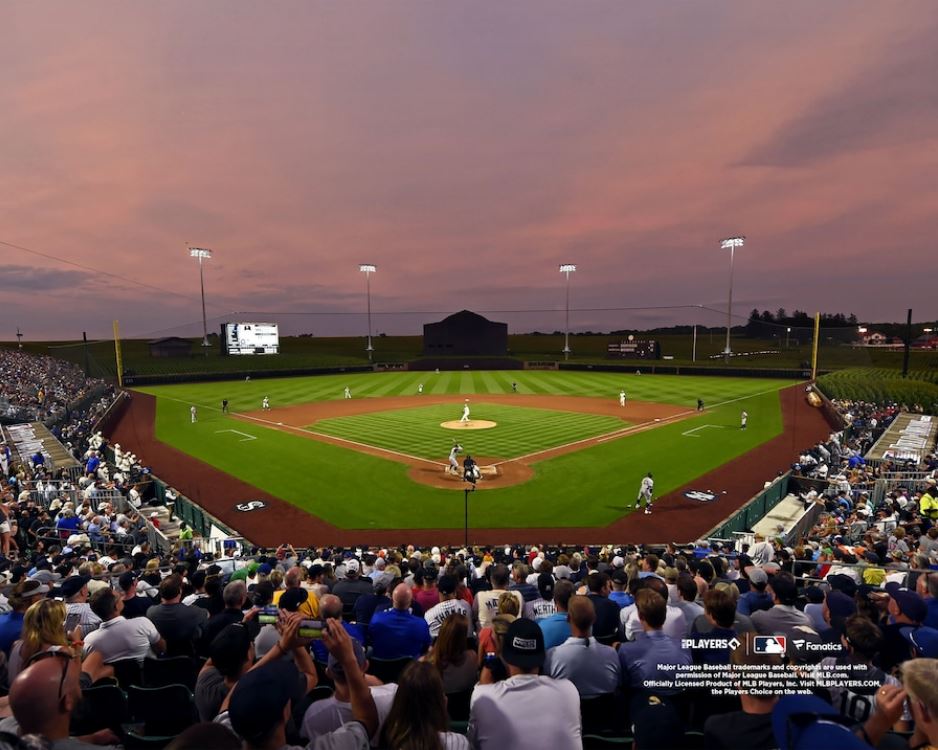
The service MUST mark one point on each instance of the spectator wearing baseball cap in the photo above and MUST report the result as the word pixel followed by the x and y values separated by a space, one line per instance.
pixel 75 593
pixel 924 642
pixel 907 611
pixel 541 711
pixel 136 603
pixel 258 708
pixel 450 603
pixel 757 598
pixel 352 586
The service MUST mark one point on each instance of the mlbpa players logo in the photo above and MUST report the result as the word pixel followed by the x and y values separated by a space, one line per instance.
pixel 769 644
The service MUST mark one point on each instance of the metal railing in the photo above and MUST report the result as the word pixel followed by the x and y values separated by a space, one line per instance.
pixel 753 511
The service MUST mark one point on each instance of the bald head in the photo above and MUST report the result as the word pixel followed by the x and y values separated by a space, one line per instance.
pixel 402 596
pixel 34 697
pixel 293 578
pixel 330 607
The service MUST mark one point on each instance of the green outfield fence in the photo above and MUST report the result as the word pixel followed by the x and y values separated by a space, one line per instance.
pixel 753 511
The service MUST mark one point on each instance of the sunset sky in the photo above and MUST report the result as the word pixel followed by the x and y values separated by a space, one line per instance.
pixel 466 148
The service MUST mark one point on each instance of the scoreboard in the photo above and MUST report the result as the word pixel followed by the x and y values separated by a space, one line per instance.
pixel 634 349
pixel 250 338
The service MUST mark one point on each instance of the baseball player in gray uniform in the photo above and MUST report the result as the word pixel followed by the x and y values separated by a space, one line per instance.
pixel 646 492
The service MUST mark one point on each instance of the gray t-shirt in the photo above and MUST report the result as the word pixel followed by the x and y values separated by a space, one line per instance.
pixel 210 691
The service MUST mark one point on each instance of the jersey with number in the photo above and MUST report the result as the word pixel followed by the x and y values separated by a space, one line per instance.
pixel 855 702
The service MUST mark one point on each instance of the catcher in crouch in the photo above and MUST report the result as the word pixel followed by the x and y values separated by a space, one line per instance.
pixel 471 472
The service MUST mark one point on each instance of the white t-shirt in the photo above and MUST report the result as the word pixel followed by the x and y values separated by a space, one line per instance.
pixel 487 605
pixel 436 615
pixel 121 638
pixel 525 711
pixel 328 715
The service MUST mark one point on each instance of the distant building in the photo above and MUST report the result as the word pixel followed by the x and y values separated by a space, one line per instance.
pixel 465 333
pixel 928 341
pixel 171 346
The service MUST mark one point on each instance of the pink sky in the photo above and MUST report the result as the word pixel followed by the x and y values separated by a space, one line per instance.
pixel 465 148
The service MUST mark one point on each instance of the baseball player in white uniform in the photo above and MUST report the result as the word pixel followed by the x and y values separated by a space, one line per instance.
pixel 453 463
pixel 621 398
pixel 192 413
pixel 646 492
pixel 743 419
pixel 348 392
pixel 265 404
pixel 465 412
pixel 420 388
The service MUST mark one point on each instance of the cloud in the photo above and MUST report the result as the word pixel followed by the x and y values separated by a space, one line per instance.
pixel 31 280
pixel 890 101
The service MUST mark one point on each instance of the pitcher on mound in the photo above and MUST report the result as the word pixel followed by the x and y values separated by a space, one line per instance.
pixel 465 412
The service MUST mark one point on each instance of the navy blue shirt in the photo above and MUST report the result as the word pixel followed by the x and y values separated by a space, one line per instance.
pixel 11 625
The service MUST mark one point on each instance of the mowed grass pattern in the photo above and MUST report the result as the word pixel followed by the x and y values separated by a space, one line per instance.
pixel 519 431
pixel 671 389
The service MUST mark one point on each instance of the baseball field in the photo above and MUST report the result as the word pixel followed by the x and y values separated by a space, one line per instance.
pixel 557 450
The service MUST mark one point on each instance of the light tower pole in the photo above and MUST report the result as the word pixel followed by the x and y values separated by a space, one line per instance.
pixel 202 253
pixel 368 269
pixel 567 269
pixel 730 243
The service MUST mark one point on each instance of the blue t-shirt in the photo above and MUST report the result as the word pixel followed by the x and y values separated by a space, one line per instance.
pixel 555 628
pixel 394 633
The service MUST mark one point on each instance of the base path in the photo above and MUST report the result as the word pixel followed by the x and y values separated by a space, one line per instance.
pixel 675 518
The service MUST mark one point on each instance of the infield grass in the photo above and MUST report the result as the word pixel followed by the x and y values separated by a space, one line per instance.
pixel 353 490
pixel 519 430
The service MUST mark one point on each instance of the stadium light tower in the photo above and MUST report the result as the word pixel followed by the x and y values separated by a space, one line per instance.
pixel 567 269
pixel 202 253
pixel 730 243
pixel 368 269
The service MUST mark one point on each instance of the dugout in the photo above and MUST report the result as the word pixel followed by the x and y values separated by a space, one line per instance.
pixel 465 334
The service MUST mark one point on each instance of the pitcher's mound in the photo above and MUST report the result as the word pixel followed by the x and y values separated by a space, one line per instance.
pixel 472 424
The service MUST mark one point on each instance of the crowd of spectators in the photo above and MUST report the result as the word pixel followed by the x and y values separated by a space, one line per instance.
pixel 482 647
pixel 37 387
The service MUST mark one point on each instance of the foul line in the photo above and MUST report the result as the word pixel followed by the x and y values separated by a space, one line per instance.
pixel 689 433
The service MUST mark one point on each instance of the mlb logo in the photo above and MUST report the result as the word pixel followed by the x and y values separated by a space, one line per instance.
pixel 770 644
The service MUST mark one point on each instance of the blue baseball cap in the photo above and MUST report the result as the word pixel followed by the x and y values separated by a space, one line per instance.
pixel 924 640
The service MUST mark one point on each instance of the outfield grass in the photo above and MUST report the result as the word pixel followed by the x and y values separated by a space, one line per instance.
pixel 357 491
pixel 519 431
